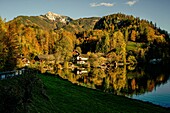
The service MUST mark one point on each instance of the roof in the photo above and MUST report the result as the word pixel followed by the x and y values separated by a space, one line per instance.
pixel 84 55
pixel 46 57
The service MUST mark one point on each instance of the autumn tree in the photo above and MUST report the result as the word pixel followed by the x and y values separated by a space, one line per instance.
pixel 133 36
pixel 65 45
pixel 126 34
pixel 11 46
pixel 119 44
pixel 3 31
pixel 103 44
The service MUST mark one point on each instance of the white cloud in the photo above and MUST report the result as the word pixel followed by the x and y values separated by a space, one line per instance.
pixel 102 4
pixel 131 3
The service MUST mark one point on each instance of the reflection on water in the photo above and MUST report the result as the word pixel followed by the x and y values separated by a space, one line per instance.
pixel 141 83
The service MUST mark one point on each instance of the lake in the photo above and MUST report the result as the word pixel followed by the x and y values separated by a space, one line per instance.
pixel 160 94
pixel 151 83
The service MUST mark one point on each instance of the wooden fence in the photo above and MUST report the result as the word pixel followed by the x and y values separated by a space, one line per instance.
pixel 10 74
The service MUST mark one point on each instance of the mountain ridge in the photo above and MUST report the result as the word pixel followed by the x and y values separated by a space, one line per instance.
pixel 110 35
pixel 53 21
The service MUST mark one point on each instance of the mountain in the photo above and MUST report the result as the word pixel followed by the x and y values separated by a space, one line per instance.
pixel 133 28
pixel 47 21
pixel 53 21
pixel 114 35
pixel 57 18
pixel 136 29
pixel 82 24
pixel 69 24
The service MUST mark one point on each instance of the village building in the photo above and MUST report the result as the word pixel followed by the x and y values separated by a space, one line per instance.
pixel 79 58
pixel 23 61
pixel 43 57
pixel 26 61
pixel 46 62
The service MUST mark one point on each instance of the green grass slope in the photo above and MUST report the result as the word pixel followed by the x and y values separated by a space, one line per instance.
pixel 63 96
pixel 43 93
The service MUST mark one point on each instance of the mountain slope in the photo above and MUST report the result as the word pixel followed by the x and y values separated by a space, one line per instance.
pixel 82 24
pixel 137 29
pixel 52 33
pixel 51 21
pixel 35 20
pixel 47 21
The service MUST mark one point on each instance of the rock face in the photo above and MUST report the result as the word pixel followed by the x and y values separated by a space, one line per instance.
pixel 56 17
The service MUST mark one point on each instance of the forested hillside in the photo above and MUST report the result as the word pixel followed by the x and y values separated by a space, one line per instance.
pixel 118 37
pixel 136 29
pixel 123 35
pixel 82 24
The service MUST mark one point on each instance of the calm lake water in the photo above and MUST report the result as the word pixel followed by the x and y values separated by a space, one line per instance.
pixel 160 95
pixel 151 83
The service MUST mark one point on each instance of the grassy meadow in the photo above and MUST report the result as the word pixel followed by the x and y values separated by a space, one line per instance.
pixel 45 93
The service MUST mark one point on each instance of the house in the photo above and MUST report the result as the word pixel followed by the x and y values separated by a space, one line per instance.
pixel 46 62
pixel 23 60
pixel 41 58
pixel 76 53
pixel 81 59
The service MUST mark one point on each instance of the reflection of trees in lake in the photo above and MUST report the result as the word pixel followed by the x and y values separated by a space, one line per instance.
pixel 145 80
pixel 118 81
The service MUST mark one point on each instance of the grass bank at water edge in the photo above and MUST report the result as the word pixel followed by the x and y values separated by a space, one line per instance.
pixel 66 97
pixel 43 93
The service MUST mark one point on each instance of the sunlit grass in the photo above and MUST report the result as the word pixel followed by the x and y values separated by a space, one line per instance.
pixel 133 45
pixel 63 96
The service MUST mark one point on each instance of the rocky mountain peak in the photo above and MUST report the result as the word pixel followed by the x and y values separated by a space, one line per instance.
pixel 52 16
pixel 57 17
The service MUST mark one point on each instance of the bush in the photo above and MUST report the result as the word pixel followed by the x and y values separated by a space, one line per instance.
pixel 17 93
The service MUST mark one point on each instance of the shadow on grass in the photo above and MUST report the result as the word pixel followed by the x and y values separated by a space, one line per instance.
pixel 48 93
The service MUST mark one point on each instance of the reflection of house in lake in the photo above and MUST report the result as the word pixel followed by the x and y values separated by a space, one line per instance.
pixel 80 71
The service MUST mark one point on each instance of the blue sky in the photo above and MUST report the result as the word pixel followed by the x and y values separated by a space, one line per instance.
pixel 152 10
